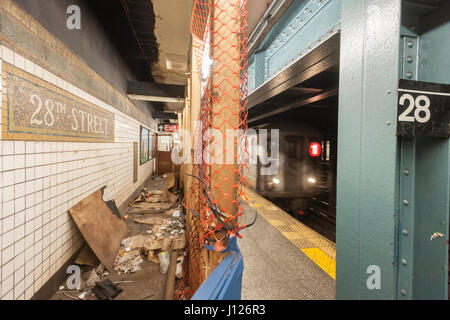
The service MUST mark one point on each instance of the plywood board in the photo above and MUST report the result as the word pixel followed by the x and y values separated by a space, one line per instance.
pixel 101 229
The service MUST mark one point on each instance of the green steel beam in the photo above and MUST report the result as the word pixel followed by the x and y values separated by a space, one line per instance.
pixel 367 149
pixel 305 25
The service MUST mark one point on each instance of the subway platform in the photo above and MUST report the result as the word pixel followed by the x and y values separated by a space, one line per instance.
pixel 284 259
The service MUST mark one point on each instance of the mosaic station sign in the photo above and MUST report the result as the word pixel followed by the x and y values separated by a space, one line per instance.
pixel 33 109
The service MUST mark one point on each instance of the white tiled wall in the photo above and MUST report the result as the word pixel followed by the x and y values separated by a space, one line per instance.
pixel 40 181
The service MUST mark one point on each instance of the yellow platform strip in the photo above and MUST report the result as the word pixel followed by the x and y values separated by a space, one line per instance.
pixel 316 247
pixel 322 260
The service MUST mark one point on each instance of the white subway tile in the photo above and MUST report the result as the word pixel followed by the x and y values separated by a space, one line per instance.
pixel 7 147
pixel 30 291
pixel 19 289
pixel 8 162
pixel 19 190
pixel 8 224
pixel 19 204
pixel 8 55
pixel 19 61
pixel 29 229
pixel 38 198
pixel 19 176
pixel 29 160
pixel 19 147
pixel 19 161
pixel 30 146
pixel 8 178
pixel 29 187
pixel 39 159
pixel 19 246
pixel 7 239
pixel 29 174
pixel 19 274
pixel 38 71
pixel 19 261
pixel 29 66
pixel 19 232
pixel 30 214
pixel 8 193
pixel 39 147
pixel 29 200
pixel 29 244
pixel 7 266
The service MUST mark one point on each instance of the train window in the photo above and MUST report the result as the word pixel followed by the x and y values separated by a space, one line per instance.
pixel 328 151
pixel 292 149
pixel 326 147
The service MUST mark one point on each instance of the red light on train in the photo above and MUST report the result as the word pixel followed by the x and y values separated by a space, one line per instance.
pixel 315 149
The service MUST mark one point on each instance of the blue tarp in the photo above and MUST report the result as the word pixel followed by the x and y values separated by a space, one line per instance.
pixel 225 282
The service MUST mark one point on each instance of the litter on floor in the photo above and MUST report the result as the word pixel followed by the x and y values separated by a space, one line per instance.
pixel 133 255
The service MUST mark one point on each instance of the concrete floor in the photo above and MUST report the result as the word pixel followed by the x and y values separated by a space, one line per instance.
pixel 275 269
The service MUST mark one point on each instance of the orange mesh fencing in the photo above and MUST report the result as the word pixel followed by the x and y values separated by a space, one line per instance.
pixel 216 197
pixel 194 267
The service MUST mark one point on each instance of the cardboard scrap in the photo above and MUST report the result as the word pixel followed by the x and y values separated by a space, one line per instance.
pixel 150 220
pixel 102 230
pixel 87 257
pixel 171 197
pixel 151 243
pixel 150 208
pixel 170 180
pixel 155 206
pixel 137 242
pixel 156 199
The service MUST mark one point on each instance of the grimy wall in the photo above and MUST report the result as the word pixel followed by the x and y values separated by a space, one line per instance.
pixel 67 130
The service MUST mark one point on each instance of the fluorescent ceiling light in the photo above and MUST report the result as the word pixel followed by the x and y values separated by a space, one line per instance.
pixel 155 98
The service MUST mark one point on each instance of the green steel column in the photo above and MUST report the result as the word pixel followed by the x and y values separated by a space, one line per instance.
pixel 367 155
pixel 424 167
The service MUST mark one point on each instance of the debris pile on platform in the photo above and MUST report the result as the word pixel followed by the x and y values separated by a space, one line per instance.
pixel 156 231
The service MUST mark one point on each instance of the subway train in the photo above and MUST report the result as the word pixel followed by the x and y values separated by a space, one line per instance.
pixel 305 183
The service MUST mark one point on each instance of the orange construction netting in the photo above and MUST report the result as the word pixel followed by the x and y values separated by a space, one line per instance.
pixel 216 196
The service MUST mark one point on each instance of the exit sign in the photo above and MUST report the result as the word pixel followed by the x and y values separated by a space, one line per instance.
pixel 168 127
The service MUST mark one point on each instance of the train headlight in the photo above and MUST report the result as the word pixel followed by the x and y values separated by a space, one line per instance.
pixel 312 180
pixel 276 180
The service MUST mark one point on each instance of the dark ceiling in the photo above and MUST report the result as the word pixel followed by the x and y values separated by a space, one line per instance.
pixel 322 113
pixel 130 26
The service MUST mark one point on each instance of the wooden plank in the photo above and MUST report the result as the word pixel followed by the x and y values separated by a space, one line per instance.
pixel 101 229
pixel 170 279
